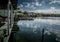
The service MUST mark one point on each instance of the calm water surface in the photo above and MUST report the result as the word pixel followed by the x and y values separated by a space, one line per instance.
pixel 31 31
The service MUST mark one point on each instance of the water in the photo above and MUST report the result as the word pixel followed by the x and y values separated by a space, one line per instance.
pixel 57 18
pixel 31 31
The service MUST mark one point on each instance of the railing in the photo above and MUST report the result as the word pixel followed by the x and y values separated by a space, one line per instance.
pixel 9 22
pixel 3 31
pixel 10 19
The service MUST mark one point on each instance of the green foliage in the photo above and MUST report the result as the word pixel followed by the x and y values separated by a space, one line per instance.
pixel 20 15
pixel 25 12
pixel 19 12
pixel 15 27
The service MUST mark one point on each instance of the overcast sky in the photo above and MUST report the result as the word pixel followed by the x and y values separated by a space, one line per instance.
pixel 35 5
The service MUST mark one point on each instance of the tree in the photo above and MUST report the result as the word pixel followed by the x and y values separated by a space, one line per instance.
pixel 25 12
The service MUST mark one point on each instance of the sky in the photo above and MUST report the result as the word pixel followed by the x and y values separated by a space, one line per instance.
pixel 40 5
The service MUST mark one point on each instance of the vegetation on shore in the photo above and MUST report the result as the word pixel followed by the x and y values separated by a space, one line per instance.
pixel 15 27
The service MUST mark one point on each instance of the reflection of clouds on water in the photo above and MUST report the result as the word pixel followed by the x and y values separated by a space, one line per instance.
pixel 36 26
pixel 47 32
pixel 50 21
pixel 21 23
pixel 27 25
pixel 39 24
pixel 30 24
pixel 33 26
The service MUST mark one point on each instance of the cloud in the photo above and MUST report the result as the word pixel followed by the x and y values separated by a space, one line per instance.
pixel 18 7
pixel 53 8
pixel 55 1
pixel 49 11
pixel 37 3
pixel 40 5
pixel 21 5
pixel 34 8
pixel 52 2
pixel 33 3
pixel 28 5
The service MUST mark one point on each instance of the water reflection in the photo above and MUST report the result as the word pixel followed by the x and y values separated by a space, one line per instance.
pixel 31 31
